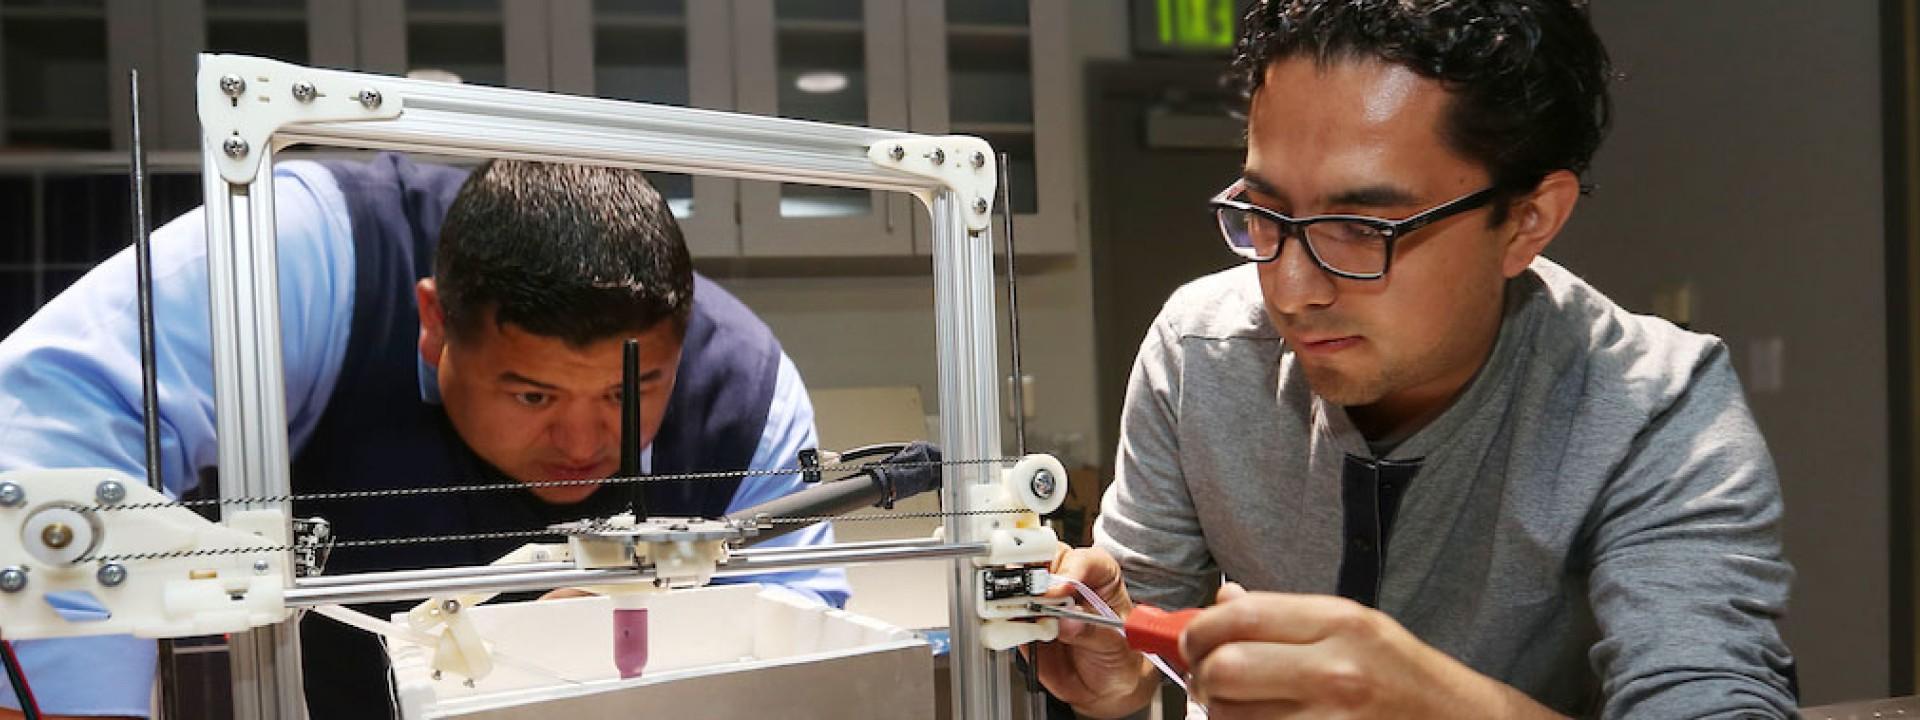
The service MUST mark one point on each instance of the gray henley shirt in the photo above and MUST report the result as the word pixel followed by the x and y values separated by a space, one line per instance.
pixel 1595 521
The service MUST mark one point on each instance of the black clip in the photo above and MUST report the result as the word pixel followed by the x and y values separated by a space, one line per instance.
pixel 810 465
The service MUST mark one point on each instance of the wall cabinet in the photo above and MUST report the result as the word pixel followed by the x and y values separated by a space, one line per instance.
pixel 994 68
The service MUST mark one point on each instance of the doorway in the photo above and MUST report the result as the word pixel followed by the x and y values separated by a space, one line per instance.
pixel 1163 139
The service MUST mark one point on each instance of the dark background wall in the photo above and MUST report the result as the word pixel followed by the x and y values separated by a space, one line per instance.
pixel 1746 165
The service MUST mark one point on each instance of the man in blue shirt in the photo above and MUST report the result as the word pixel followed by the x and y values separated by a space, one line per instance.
pixel 436 329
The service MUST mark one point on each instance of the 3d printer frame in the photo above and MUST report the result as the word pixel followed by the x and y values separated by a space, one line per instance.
pixel 252 108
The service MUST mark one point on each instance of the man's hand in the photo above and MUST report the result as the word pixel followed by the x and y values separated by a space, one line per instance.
pixel 1263 655
pixel 1091 667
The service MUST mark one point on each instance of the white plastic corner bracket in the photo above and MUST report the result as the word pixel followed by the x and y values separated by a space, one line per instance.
pixel 244 100
pixel 966 165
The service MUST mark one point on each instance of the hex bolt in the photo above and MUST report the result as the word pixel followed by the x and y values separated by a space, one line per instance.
pixel 304 91
pixel 232 85
pixel 897 153
pixel 12 495
pixel 369 98
pixel 938 156
pixel 109 492
pixel 260 567
pixel 112 574
pixel 235 148
pixel 13 579
pixel 980 206
pixel 1043 484
pixel 57 536
pixel 979 160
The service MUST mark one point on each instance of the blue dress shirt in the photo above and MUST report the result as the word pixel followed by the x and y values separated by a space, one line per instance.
pixel 70 397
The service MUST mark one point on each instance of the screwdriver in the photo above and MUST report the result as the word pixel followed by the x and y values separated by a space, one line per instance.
pixel 1148 629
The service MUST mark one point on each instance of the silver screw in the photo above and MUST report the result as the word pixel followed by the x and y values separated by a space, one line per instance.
pixel 109 492
pixel 1043 484
pixel 260 567
pixel 980 205
pixel 369 98
pixel 12 495
pixel 235 148
pixel 939 156
pixel 897 153
pixel 304 91
pixel 13 579
pixel 979 160
pixel 467 682
pixel 436 674
pixel 450 607
pixel 232 85
pixel 112 574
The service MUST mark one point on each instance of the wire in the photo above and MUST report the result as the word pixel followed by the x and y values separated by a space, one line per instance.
pixel 28 706
pixel 1093 601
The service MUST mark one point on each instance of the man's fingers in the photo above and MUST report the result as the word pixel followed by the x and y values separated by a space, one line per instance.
pixel 1275 710
pixel 1274 617
pixel 1055 665
pixel 561 593
pixel 1094 567
pixel 1257 672
pixel 1229 592
pixel 1094 638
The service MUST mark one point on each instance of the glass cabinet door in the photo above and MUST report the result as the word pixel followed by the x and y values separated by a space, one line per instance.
pixel 53 75
pixel 999 70
pixel 668 52
pixel 466 38
pixel 836 61
pixel 265 28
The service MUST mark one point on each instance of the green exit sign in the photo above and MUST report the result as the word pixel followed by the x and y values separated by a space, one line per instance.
pixel 1185 26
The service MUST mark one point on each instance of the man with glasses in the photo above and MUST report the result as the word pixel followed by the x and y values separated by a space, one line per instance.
pixel 1417 469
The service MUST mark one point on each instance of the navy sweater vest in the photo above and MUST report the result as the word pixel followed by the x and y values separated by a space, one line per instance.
pixel 376 432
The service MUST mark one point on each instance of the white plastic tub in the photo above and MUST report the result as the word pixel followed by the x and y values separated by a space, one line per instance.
pixel 736 651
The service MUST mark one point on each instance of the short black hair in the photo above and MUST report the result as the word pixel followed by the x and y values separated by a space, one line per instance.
pixel 1529 77
pixel 576 252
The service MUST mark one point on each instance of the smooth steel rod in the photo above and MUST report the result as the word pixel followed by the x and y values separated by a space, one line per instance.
pixel 429 574
pixel 382 586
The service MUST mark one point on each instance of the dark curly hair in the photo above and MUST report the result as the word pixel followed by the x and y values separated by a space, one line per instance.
pixel 1528 77
pixel 576 252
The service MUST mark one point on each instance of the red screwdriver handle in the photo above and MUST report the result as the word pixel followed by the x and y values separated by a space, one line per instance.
pixel 1152 630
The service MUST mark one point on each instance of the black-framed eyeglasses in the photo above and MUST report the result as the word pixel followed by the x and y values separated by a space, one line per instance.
pixel 1349 246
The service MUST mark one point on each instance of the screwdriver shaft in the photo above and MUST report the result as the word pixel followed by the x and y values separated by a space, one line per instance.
pixel 1077 615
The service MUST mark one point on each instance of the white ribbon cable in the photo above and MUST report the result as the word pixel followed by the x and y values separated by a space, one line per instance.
pixel 1093 601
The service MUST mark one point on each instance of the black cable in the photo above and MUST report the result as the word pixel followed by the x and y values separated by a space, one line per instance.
pixel 28 706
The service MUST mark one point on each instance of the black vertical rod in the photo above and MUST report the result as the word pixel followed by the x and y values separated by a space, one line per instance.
pixel 143 254
pixel 630 425
pixel 1013 308
pixel 149 377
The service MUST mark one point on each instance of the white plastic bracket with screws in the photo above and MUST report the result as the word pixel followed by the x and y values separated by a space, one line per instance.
pixel 257 97
pixel 226 577
pixel 1038 485
pixel 964 164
